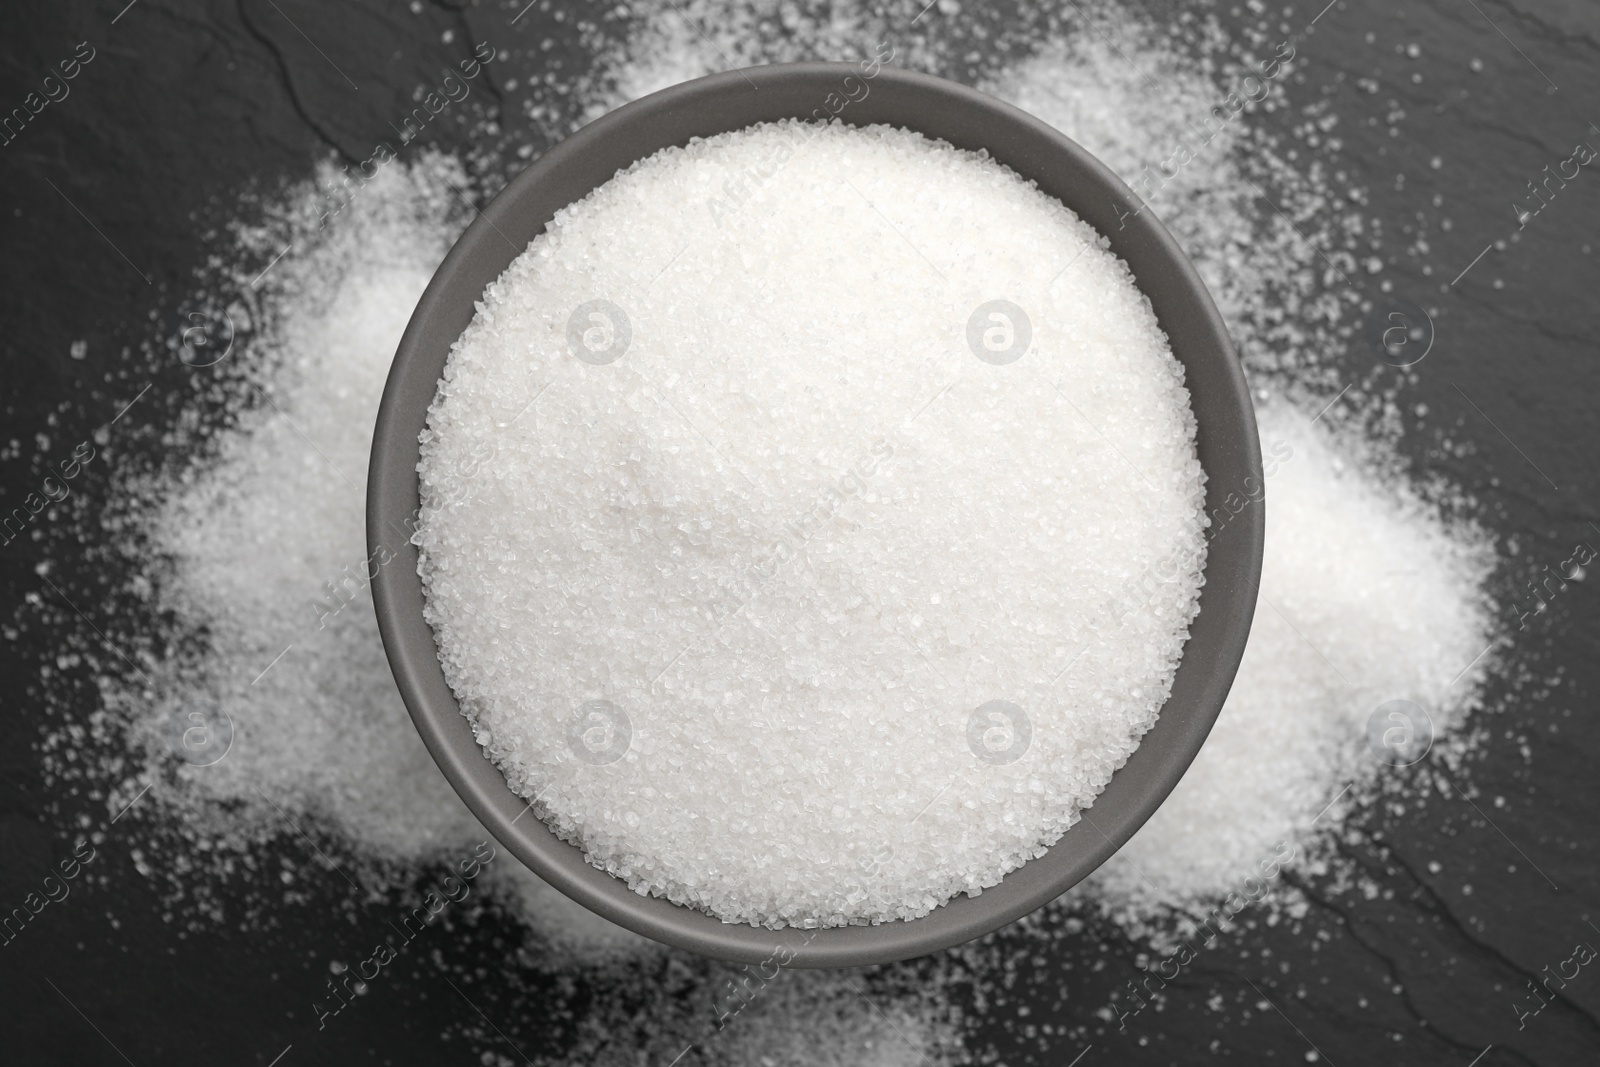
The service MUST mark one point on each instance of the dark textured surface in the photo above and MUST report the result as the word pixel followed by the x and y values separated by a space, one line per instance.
pixel 188 104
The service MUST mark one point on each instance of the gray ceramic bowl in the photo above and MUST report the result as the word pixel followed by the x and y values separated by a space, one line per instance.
pixel 1229 452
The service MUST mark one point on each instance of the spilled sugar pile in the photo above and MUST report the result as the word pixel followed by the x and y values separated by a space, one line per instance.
pixel 333 707
pixel 1294 731
pixel 264 552
pixel 1365 597
pixel 781 702
pixel 290 651
pixel 1135 115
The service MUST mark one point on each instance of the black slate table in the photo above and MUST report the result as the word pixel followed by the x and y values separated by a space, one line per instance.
pixel 113 194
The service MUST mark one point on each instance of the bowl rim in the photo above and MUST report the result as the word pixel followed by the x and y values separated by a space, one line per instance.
pixel 1227 436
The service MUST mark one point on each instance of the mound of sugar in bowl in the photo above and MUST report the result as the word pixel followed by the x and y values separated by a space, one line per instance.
pixel 787 514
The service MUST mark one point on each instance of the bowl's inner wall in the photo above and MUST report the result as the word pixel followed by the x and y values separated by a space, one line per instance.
pixel 1228 449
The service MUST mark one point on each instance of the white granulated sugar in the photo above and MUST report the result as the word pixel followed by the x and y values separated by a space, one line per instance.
pixel 578 935
pixel 252 540
pixel 1137 116
pixel 247 542
pixel 796 532
pixel 1131 100
pixel 680 40
pixel 1367 596
pixel 325 735
pixel 242 544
